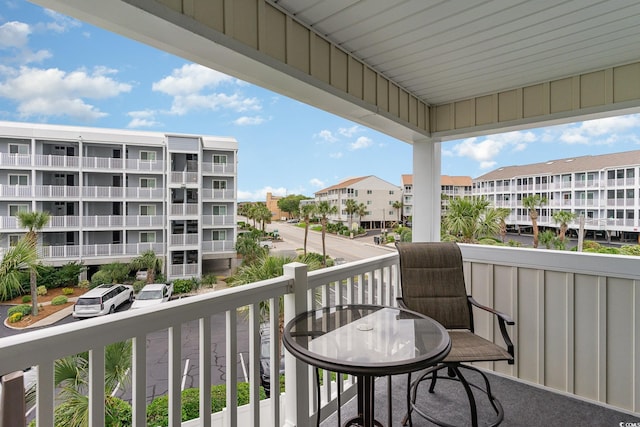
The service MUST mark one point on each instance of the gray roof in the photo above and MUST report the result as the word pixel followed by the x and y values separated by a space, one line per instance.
pixel 566 165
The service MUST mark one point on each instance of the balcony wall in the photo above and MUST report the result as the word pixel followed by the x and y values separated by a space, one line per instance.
pixel 577 330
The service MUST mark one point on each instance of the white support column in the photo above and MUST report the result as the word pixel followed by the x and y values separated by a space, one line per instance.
pixel 426 191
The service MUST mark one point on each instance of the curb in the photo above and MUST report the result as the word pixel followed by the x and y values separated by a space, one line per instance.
pixel 53 318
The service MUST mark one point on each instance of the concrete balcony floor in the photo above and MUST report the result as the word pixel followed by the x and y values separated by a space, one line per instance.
pixel 523 404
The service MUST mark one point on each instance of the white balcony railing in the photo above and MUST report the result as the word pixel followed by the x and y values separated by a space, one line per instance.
pixel 144 193
pixel 97 192
pixel 55 161
pixel 102 163
pixel 183 178
pixel 184 239
pixel 7 159
pixel 182 209
pixel 184 270
pixel 98 250
pixel 577 331
pixel 218 168
pixel 218 220
pixel 211 194
pixel 218 246
pixel 144 165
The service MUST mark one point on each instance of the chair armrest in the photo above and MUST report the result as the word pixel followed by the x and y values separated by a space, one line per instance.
pixel 401 303
pixel 503 320
pixel 506 318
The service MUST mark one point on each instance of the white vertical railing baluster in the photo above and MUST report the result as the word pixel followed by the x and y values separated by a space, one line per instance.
pixel 232 369
pixel 275 352
pixel 360 287
pixel 175 373
pixel 44 394
pixel 205 371
pixel 96 387
pixel 139 380
pixel 254 362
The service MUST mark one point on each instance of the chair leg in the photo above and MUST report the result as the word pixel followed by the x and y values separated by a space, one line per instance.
pixel 494 402
pixel 472 400
pixel 407 417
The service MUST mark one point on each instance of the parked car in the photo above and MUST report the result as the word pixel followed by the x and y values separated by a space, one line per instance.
pixel 101 300
pixel 265 362
pixel 152 294
pixel 267 244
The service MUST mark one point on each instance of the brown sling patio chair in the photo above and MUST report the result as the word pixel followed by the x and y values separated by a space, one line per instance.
pixel 432 283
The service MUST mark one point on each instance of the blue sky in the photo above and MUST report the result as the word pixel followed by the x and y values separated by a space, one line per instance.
pixel 57 70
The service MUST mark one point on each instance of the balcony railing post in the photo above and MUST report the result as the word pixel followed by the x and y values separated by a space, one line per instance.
pixel 296 372
pixel 12 407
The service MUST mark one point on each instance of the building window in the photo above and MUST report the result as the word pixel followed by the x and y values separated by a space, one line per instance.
pixel 219 210
pixel 147 237
pixel 219 235
pixel 147 210
pixel 14 209
pixel 18 149
pixel 369 202
pixel 18 179
pixel 148 182
pixel 391 192
pixel 369 192
pixel 220 159
pixel 13 239
pixel 148 156
pixel 219 185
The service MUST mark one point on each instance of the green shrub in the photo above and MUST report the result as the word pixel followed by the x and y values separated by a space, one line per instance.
pixel 183 286
pixel 84 284
pixel 26 299
pixel 67 291
pixel 158 409
pixel 24 309
pixel 100 277
pixel 209 280
pixel 630 250
pixel 59 300
pixel 118 413
pixel 15 317
pixel 42 290
pixel 138 285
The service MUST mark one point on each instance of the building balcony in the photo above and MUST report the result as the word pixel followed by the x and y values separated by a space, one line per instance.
pixel 576 334
pixel 218 246
pixel 76 252
pixel 217 220
pixel 19 192
pixel 17 160
pixel 209 168
pixel 183 178
pixel 184 209
pixel 183 270
pixel 210 194
pixel 184 239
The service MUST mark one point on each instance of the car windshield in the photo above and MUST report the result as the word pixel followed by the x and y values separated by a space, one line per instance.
pixel 146 295
pixel 88 301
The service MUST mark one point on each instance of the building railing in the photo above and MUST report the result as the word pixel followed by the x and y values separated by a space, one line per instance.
pixel 183 177
pixel 184 239
pixel 56 161
pixel 218 168
pixel 576 331
pixel 184 270
pixel 98 250
pixel 102 163
pixel 145 165
pixel 211 194
pixel 7 159
pixel 218 220
pixel 184 209
pixel 218 246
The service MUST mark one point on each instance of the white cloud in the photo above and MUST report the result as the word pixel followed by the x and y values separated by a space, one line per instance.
pixel 361 142
pixel 261 194
pixel 54 92
pixel 486 150
pixel 337 155
pixel 349 132
pixel 142 119
pixel 60 23
pixel 192 88
pixel 249 121
pixel 326 135
pixel 317 183
pixel 14 35
pixel 599 131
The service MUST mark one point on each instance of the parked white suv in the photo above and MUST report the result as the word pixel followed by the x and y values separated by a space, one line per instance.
pixel 103 299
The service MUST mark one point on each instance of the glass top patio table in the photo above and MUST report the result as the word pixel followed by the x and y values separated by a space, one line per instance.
pixel 367 341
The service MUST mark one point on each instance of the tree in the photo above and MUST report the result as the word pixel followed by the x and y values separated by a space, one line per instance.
pixel 307 212
pixel 147 261
pixel 470 218
pixel 324 209
pixel 19 258
pixel 532 203
pixel 361 211
pixel 248 246
pixel 33 222
pixel 71 375
pixel 291 204
pixel 350 207
pixel 261 213
pixel 563 218
pixel 398 206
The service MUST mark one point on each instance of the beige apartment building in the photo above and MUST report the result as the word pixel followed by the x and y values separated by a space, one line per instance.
pixel 114 194
pixel 603 188
pixel 376 194
pixel 450 187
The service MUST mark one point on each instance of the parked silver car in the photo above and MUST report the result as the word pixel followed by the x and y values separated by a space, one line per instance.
pixel 101 300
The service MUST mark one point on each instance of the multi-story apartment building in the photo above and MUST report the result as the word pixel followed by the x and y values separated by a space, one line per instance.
pixel 376 194
pixel 113 194
pixel 604 189
pixel 451 187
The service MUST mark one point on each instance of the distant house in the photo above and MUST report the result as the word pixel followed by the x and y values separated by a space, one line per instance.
pixel 376 194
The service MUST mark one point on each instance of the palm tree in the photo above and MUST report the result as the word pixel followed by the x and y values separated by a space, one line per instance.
pixel 247 245
pixel 17 259
pixel 362 211
pixel 398 205
pixel 71 376
pixel 34 222
pixel 468 219
pixel 350 207
pixel 324 209
pixel 149 261
pixel 563 218
pixel 307 212
pixel 532 203
pixel 262 213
